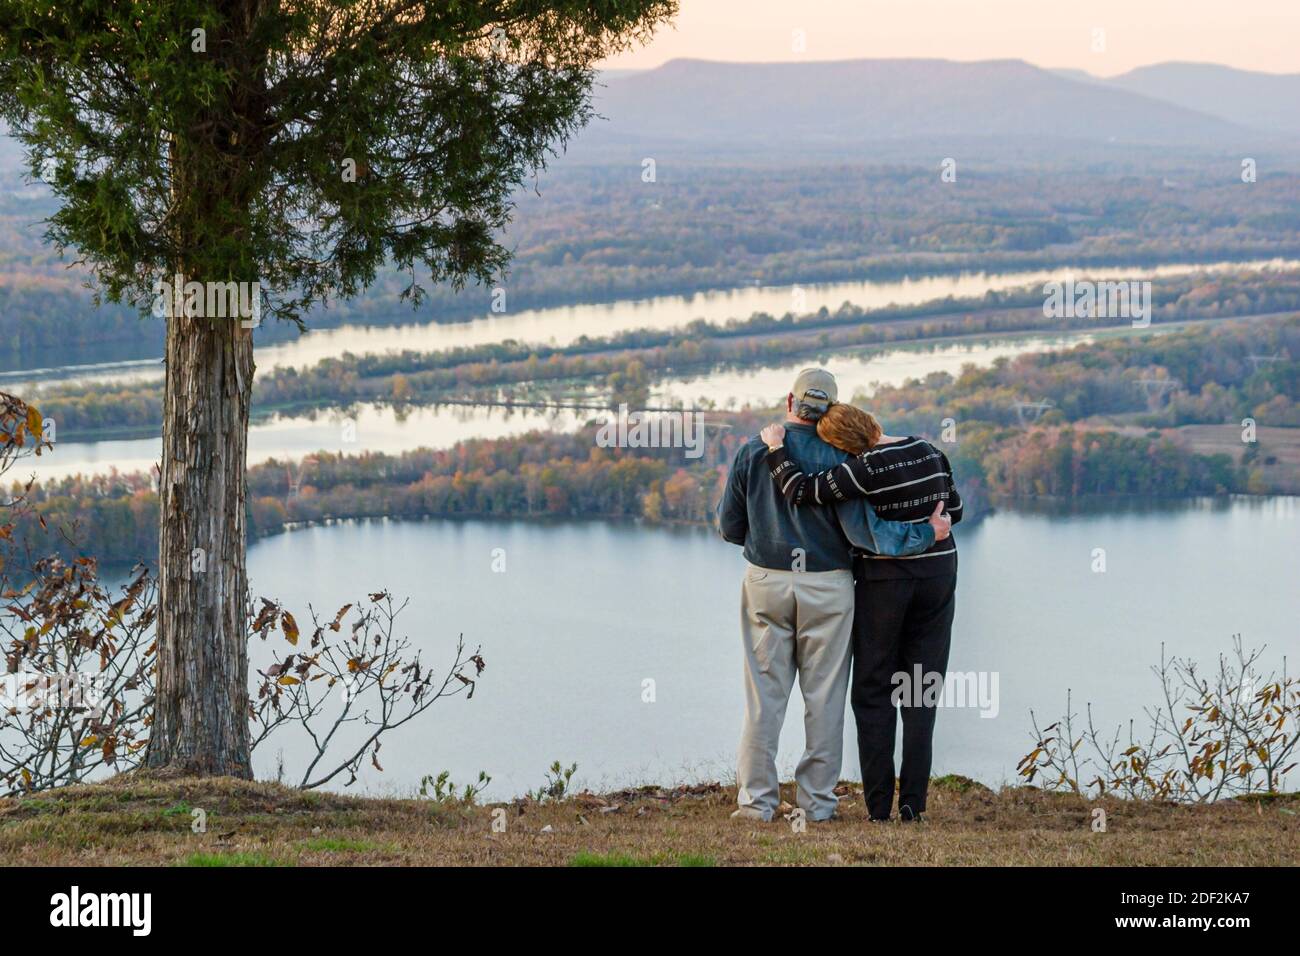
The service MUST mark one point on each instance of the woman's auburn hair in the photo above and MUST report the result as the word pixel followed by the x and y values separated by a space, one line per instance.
pixel 849 428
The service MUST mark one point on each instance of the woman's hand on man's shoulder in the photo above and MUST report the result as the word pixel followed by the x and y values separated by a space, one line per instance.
pixel 773 435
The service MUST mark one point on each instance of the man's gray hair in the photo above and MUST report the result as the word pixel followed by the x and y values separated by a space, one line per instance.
pixel 811 412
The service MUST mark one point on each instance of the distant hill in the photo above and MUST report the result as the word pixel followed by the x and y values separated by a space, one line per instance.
pixel 1071 73
pixel 874 102
pixel 605 76
pixel 1265 101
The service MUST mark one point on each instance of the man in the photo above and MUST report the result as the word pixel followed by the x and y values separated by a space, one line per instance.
pixel 797 603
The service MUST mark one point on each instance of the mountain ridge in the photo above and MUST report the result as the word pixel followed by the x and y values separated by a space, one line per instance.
pixel 851 102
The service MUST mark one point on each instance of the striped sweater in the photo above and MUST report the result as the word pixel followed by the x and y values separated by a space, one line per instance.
pixel 902 480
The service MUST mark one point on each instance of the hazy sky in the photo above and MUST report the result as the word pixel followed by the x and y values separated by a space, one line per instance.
pixel 1253 34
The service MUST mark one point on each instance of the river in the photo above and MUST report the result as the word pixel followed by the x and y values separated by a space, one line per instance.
pixel 564 325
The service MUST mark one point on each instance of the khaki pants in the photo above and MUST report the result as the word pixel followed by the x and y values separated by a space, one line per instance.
pixel 794 622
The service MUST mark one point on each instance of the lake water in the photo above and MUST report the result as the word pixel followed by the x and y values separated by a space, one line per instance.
pixel 382 429
pixel 584 613
pixel 564 325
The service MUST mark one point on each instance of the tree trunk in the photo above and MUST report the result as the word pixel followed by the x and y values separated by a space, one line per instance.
pixel 200 722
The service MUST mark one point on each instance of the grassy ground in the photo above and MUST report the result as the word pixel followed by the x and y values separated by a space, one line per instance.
pixel 136 820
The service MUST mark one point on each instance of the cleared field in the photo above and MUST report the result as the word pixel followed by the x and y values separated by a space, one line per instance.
pixel 1278 455
pixel 1278 449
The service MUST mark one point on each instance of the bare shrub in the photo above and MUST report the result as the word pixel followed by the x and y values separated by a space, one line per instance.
pixel 1232 733
pixel 79 675
pixel 364 675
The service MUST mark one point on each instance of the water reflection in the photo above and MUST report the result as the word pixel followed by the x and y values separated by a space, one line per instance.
pixel 384 429
pixel 856 373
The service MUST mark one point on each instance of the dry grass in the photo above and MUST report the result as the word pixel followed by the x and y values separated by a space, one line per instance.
pixel 138 819
pixel 1279 450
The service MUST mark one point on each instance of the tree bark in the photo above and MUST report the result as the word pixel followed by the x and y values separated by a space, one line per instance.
pixel 200 722
pixel 201 706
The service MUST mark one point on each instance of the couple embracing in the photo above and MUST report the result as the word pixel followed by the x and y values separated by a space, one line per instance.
pixel 852 580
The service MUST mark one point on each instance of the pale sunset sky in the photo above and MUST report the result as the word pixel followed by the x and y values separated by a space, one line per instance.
pixel 1250 34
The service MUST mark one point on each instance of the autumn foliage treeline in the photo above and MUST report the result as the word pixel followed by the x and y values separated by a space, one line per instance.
pixel 1106 427
pixel 1217 374
pixel 541 474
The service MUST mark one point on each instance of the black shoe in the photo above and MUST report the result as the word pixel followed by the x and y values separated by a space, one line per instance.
pixel 907 816
pixel 878 820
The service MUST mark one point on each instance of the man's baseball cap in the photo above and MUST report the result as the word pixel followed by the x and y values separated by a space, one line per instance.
pixel 815 387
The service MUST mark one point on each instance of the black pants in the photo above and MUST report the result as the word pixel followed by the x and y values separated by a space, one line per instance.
pixel 898 625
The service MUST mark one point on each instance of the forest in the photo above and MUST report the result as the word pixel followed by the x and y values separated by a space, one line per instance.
pixel 592 233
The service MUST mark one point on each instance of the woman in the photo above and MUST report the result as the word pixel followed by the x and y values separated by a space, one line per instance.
pixel 902 625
